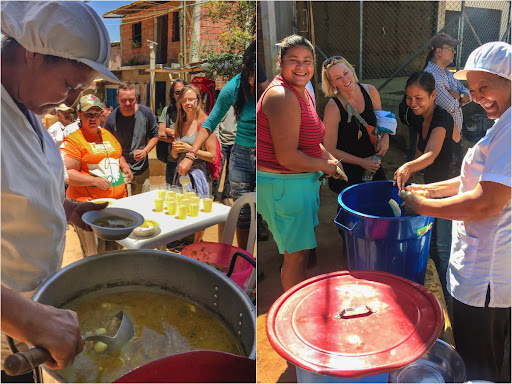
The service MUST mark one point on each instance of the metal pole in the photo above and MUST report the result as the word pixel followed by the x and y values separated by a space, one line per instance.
pixel 360 39
pixel 461 33
pixel 152 66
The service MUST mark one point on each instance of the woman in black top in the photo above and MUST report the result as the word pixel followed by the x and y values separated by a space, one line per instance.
pixel 439 152
pixel 350 140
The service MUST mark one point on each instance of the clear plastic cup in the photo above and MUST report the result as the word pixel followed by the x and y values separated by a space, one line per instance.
pixel 190 194
pixel 171 207
pixel 161 193
pixel 159 205
pixel 180 197
pixel 182 211
pixel 194 200
pixel 194 209
pixel 170 194
pixel 207 204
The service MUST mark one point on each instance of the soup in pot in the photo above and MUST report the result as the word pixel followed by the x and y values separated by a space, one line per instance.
pixel 164 324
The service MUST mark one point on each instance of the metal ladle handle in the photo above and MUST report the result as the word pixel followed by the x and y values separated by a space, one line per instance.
pixel 22 362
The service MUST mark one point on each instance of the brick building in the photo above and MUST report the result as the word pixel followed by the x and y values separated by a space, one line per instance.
pixel 183 34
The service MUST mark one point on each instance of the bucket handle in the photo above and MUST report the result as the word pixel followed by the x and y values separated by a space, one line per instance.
pixel 347 313
pixel 233 261
pixel 338 222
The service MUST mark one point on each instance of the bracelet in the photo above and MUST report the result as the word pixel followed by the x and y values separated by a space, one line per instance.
pixel 192 152
pixel 190 157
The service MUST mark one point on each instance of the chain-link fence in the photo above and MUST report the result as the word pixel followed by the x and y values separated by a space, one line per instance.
pixel 391 40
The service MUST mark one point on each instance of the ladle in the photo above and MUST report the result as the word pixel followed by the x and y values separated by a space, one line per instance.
pixel 22 362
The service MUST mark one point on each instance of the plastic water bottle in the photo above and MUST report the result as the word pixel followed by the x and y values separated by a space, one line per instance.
pixel 368 175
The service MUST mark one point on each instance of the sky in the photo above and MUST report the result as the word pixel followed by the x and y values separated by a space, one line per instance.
pixel 112 25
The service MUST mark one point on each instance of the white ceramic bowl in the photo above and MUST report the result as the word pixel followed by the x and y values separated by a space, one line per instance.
pixel 109 233
pixel 148 228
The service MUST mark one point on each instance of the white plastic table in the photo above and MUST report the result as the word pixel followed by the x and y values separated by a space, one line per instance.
pixel 171 228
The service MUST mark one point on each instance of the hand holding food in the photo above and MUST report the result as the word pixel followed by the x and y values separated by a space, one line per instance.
pixel 101 183
pixel 180 146
pixel 412 202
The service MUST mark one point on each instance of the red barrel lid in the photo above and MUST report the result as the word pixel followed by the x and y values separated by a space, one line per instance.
pixel 354 324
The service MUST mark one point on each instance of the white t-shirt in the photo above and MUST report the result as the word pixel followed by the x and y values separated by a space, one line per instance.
pixel 311 90
pixel 71 128
pixel 33 220
pixel 56 131
pixel 481 250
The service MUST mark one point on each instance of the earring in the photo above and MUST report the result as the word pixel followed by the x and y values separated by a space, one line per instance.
pixel 336 91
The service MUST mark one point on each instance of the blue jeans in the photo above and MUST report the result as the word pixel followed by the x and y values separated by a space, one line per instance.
pixel 440 248
pixel 226 154
pixel 242 179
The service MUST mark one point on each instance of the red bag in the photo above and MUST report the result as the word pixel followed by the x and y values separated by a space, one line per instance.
pixel 216 166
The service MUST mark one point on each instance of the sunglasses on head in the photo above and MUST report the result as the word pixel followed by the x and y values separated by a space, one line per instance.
pixel 332 60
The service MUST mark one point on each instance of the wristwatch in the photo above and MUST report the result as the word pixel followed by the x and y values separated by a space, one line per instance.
pixel 461 96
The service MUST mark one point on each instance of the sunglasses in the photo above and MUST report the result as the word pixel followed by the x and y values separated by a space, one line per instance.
pixel 177 92
pixel 92 115
pixel 185 101
pixel 332 60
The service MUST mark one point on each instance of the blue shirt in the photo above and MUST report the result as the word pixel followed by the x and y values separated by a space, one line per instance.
pixel 246 126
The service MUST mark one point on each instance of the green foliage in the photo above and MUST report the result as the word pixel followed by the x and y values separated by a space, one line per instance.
pixel 240 19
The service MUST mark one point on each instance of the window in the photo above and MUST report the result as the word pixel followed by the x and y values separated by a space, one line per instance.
pixel 175 26
pixel 136 35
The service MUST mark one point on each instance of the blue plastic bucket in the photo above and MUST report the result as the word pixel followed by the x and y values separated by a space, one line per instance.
pixel 375 239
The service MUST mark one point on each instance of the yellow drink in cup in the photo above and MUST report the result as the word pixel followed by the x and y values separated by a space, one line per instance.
pixel 161 193
pixel 180 197
pixel 182 211
pixel 159 205
pixel 190 195
pixel 194 209
pixel 171 207
pixel 170 194
pixel 194 200
pixel 208 204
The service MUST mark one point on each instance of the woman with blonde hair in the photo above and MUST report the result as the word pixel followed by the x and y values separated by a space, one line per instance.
pixel 345 137
pixel 191 117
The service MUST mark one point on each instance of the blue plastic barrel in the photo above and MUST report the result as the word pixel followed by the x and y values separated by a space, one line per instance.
pixel 376 239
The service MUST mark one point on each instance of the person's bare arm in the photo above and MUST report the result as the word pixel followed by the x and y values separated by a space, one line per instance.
pixel 445 188
pixel 140 154
pixel 331 122
pixel 282 109
pixel 432 149
pixel 80 179
pixel 163 133
pixel 185 164
pixel 56 330
pixel 486 200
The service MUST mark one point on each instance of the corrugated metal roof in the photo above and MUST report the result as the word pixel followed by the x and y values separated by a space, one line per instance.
pixel 132 8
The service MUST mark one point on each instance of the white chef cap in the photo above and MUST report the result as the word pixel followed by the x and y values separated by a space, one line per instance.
pixel 68 29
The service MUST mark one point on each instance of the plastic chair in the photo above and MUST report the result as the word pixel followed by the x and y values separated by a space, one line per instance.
pixel 230 226
pixel 229 233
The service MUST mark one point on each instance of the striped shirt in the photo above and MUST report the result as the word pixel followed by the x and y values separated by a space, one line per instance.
pixel 310 136
pixel 444 78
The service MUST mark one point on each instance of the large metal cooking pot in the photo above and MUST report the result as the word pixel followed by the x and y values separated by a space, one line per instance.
pixel 122 270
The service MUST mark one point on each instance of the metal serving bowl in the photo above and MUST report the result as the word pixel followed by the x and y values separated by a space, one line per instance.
pixel 440 364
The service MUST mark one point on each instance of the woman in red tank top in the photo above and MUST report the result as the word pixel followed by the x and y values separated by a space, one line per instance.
pixel 291 158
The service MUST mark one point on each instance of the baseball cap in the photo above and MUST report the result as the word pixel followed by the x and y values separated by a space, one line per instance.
pixel 68 29
pixel 493 57
pixel 63 107
pixel 89 101
pixel 437 41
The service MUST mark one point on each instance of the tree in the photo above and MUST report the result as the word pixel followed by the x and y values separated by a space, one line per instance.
pixel 240 18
